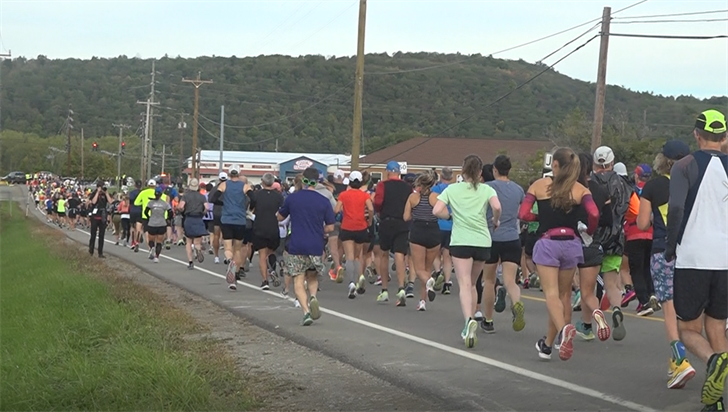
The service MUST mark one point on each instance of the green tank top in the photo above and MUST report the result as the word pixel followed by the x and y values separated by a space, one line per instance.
pixel 61 206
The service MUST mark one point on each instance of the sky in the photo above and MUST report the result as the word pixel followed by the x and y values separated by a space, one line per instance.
pixel 83 29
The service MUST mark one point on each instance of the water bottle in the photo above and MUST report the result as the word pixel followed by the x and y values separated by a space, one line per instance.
pixel 585 237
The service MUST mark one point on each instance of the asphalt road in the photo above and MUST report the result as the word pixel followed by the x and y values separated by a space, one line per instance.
pixel 422 351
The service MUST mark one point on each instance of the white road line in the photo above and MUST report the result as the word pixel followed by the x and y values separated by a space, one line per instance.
pixel 526 373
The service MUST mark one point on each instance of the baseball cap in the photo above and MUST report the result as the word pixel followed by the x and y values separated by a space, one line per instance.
pixel 711 121
pixel 322 176
pixel 193 184
pixel 158 190
pixel 152 182
pixel 446 173
pixel 603 155
pixel 339 174
pixel 620 169
pixel 675 149
pixel 392 166
pixel 234 170
pixel 643 170
pixel 222 176
pixel 276 186
pixel 355 175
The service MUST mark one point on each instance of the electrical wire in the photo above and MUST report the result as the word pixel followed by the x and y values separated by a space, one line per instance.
pixel 324 26
pixel 277 28
pixel 494 102
pixel 674 14
pixel 669 21
pixel 573 40
pixel 667 36
pixel 504 50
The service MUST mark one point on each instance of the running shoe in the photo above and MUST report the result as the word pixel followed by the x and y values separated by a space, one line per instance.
pixel 191 266
pixel 409 290
pixel 200 256
pixel 233 286
pixel 264 285
pixel 383 297
pixel 360 286
pixel 431 294
pixel 439 281
pixel 566 342
pixel 603 330
pixel 284 292
pixel 446 288
pixel 534 281
pixel 313 306
pixel 583 332
pixel 156 260
pixel 544 350
pixel 307 321
pixel 401 298
pixel 296 303
pixel 654 303
pixel 519 319
pixel 421 306
pixel 217 260
pixel 618 324
pixel 352 290
pixel 629 296
pixel 246 266
pixel 488 326
pixel 340 273
pixel 469 333
pixel 230 273
pixel 168 244
pixel 680 374
pixel 715 378
pixel 576 300
pixel 716 407
pixel 151 254
pixel 644 310
pixel 478 316
pixel 500 300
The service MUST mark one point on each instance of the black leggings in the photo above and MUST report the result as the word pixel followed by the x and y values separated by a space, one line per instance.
pixel 639 253
pixel 125 229
pixel 479 287
pixel 100 227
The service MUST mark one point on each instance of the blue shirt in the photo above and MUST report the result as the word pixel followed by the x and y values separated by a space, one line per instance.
pixel 234 204
pixel 309 212
pixel 134 210
pixel 445 225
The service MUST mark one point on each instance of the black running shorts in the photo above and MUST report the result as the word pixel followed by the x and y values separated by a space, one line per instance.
pixel 478 254
pixel 700 291
pixel 505 252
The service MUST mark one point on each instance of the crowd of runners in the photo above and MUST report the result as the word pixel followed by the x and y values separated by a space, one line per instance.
pixel 589 235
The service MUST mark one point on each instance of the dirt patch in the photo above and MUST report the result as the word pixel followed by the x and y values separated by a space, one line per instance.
pixel 279 374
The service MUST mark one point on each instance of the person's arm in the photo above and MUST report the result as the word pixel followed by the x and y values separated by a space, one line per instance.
pixel 644 217
pixel 329 220
pixel 379 197
pixel 679 187
pixel 592 213
pixel 525 211
pixel 339 207
pixel 495 206
pixel 284 211
pixel 138 199
pixel 96 197
pixel 147 212
pixel 634 208
pixel 407 216
pixel 370 208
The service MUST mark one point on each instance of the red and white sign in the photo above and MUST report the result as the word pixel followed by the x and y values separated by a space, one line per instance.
pixel 302 164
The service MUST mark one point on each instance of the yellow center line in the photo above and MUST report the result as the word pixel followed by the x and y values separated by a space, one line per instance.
pixel 652 318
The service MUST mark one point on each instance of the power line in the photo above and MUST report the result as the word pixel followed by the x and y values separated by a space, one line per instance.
pixel 667 36
pixel 504 50
pixel 496 101
pixel 324 26
pixel 573 40
pixel 669 21
pixel 673 15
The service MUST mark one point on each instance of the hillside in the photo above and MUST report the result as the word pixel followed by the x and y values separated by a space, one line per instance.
pixel 306 102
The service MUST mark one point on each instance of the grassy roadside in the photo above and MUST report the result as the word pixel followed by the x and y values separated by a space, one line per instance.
pixel 76 336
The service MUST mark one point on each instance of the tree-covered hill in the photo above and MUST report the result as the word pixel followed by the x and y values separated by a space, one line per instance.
pixel 306 103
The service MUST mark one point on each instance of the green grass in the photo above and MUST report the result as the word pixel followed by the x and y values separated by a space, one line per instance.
pixel 75 337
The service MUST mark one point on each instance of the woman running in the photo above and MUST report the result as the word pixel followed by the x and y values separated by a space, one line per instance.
pixel 354 230
pixel 470 244
pixel 487 326
pixel 558 251
pixel 193 206
pixel 156 212
pixel 424 234
pixel 593 255
pixel 123 210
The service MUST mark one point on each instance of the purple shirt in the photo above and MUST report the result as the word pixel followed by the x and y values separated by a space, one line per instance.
pixel 309 212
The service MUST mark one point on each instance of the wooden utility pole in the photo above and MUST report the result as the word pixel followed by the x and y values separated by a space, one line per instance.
pixel 601 80
pixel 121 127
pixel 181 126
pixel 164 154
pixel 358 87
pixel 151 120
pixel 197 83
pixel 82 154
pixel 69 127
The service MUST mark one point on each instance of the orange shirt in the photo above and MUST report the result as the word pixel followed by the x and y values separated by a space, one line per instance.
pixel 354 202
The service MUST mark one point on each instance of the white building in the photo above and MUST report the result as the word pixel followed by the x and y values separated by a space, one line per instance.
pixel 253 165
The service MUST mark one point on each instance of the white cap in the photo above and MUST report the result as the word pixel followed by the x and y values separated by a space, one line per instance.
pixel 620 169
pixel 603 155
pixel 234 169
pixel 292 189
pixel 193 184
pixel 345 181
pixel 222 176
pixel 356 175
pixel 339 174
pixel 152 183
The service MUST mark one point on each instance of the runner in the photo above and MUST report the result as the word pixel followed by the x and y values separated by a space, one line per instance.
pixel 443 263
pixel 123 210
pixel 470 244
pixel 266 239
pixel 354 204
pixel 506 249
pixel 141 200
pixel 653 214
pixel 74 204
pixel 216 223
pixel 424 234
pixel 390 198
pixel 311 216
pixel 558 251
pixel 700 182
pixel 98 202
pixel 486 175
pixel 156 212
pixel 612 239
pixel 192 206
pixel 336 272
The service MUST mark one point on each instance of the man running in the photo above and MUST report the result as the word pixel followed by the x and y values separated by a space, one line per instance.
pixel 266 239
pixel 612 238
pixel 144 197
pixel 216 215
pixel 698 242
pixel 311 216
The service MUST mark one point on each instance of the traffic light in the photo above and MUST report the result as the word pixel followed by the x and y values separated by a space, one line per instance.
pixel 95 147
pixel 123 146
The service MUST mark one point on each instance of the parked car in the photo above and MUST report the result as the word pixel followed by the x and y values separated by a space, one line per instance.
pixel 14 178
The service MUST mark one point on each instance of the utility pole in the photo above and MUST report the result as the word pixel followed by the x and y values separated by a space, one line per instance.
pixel 164 153
pixel 358 87
pixel 181 126
pixel 601 80
pixel 69 127
pixel 197 83
pixel 144 171
pixel 82 154
pixel 151 120
pixel 222 136
pixel 2 59
pixel 121 127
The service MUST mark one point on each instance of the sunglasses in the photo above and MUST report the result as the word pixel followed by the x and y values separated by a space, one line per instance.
pixel 308 182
